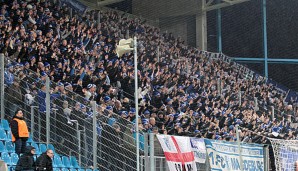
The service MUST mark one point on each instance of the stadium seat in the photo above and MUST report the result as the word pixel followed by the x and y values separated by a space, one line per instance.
pixel 57 162
pixel 30 140
pixel 42 148
pixel 5 125
pixel 74 162
pixel 11 168
pixel 64 169
pixel 50 146
pixel 9 146
pixel 2 147
pixel 14 158
pixel 56 169
pixel 9 137
pixel 6 158
pixel 3 135
pixel 37 151
pixel 72 169
pixel 66 162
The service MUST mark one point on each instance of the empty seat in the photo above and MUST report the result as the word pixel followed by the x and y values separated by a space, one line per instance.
pixel 2 147
pixel 57 162
pixel 50 146
pixel 9 146
pixel 30 140
pixel 14 158
pixel 64 169
pixel 6 158
pixel 5 125
pixel 42 148
pixel 9 136
pixel 56 169
pixel 66 162
pixel 3 135
pixel 74 162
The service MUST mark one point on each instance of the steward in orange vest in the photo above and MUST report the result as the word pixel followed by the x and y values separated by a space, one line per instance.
pixel 19 131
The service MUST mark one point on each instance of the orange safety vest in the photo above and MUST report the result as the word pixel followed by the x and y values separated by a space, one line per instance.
pixel 22 129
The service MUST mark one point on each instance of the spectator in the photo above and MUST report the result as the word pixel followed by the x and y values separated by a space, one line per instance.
pixel 45 161
pixel 19 130
pixel 26 161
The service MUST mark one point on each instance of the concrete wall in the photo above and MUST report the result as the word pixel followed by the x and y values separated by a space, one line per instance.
pixel 176 16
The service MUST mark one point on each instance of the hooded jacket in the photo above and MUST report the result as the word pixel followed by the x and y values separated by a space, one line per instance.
pixel 26 161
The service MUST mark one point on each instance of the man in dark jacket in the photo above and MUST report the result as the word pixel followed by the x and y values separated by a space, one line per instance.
pixel 26 161
pixel 44 161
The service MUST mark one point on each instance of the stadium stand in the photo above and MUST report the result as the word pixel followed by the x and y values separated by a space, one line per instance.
pixel 179 94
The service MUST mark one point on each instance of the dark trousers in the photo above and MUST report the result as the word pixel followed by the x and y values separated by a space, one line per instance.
pixel 20 145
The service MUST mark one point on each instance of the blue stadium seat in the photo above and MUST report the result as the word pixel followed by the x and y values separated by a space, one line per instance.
pixel 14 158
pixel 37 151
pixel 5 125
pixel 9 136
pixel 74 162
pixel 64 169
pixel 66 162
pixel 11 168
pixel 3 135
pixel 30 140
pixel 81 169
pixel 50 146
pixel 9 146
pixel 56 169
pixel 6 158
pixel 2 147
pixel 42 148
pixel 57 162
pixel 72 169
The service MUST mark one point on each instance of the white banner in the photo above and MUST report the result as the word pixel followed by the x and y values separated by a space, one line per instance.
pixel 178 152
pixel 198 147
pixel 224 156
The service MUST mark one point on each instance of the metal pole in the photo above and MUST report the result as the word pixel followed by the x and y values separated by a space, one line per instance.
pixel 239 147
pixel 94 136
pixel 48 101
pixel 240 97
pixel 265 37
pixel 136 102
pixel 219 86
pixel 79 140
pixel 2 84
pixel 70 12
pixel 146 151
pixel 98 17
pixel 39 127
pixel 32 119
pixel 273 113
pixel 158 57
pixel 127 34
pixel 219 38
pixel 256 103
pixel 152 162
pixel 85 147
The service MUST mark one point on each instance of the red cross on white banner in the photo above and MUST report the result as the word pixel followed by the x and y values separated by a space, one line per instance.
pixel 178 153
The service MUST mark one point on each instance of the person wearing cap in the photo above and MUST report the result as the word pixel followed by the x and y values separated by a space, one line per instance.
pixel 26 161
pixel 19 131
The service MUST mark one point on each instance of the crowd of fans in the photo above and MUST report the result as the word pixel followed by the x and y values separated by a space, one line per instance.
pixel 178 88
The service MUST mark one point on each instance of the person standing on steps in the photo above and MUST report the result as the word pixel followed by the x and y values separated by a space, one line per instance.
pixel 19 131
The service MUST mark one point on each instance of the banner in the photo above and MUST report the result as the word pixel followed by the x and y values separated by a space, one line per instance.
pixel 178 152
pixel 224 156
pixel 198 147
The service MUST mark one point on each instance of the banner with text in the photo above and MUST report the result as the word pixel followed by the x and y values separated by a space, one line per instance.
pixel 198 147
pixel 224 156
pixel 178 152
